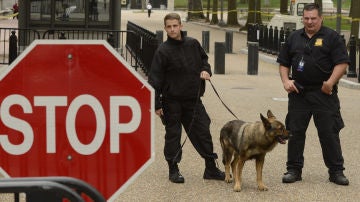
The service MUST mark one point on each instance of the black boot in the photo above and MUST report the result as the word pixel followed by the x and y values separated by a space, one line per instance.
pixel 212 172
pixel 174 173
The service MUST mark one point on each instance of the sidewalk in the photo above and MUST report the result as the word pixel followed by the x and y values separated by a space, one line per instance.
pixel 247 96
pixel 217 34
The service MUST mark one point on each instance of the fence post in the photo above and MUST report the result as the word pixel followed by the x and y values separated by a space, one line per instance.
pixel 271 40
pixel 261 37
pixel 205 40
pixel 160 36
pixel 62 35
pixel 276 41
pixel 111 39
pixel 219 60
pixel 229 40
pixel 266 38
pixel 281 38
pixel 12 47
pixel 352 55
pixel 359 63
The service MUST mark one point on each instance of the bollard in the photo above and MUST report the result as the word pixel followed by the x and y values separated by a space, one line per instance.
pixel 219 60
pixel 229 41
pixel 160 36
pixel 251 34
pixel 253 58
pixel 12 47
pixel 352 55
pixel 205 40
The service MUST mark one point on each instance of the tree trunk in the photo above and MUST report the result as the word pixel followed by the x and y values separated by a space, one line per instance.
pixel 284 7
pixel 214 17
pixel 319 2
pixel 195 10
pixel 208 11
pixel 254 14
pixel 355 14
pixel 232 18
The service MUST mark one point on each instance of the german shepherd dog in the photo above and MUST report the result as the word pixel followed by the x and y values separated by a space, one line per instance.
pixel 242 141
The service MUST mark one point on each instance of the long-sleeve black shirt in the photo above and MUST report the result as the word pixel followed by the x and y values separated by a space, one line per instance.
pixel 175 69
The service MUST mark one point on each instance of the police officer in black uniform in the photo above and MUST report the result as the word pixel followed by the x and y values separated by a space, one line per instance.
pixel 312 61
pixel 178 73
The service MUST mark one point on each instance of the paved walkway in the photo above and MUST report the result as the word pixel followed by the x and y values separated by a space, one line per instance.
pixel 247 96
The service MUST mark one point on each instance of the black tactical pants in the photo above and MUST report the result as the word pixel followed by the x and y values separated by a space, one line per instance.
pixel 325 110
pixel 191 115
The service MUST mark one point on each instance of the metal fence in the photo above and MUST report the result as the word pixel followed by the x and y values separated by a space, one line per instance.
pixel 144 42
pixel 269 40
pixel 14 40
pixel 55 189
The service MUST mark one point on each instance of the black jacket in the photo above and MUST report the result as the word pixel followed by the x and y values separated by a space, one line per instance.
pixel 175 70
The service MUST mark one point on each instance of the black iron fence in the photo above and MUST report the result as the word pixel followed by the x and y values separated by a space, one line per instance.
pixel 269 41
pixel 269 38
pixel 55 189
pixel 144 42
pixel 14 40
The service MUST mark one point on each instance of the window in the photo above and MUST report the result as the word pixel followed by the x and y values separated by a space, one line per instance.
pixel 40 10
pixel 69 10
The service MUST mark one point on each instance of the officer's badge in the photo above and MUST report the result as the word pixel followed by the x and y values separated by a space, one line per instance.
pixel 318 42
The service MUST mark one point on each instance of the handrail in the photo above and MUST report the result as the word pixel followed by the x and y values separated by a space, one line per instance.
pixel 73 183
pixel 39 186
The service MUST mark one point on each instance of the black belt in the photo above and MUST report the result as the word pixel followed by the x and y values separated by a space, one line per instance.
pixel 318 87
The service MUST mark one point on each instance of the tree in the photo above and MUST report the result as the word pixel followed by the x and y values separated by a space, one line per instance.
pixel 254 14
pixel 195 10
pixel 354 14
pixel 232 18
pixel 319 2
pixel 207 11
pixel 284 7
pixel 214 16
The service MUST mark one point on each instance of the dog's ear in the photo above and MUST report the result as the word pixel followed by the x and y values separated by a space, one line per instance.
pixel 270 115
pixel 266 122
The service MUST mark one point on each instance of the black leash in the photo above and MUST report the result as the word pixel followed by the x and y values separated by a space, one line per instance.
pixel 222 100
pixel 191 123
pixel 193 118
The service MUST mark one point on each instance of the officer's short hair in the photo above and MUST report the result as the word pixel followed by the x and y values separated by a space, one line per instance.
pixel 313 6
pixel 172 16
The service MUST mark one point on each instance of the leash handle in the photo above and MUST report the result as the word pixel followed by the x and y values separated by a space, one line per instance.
pixel 213 87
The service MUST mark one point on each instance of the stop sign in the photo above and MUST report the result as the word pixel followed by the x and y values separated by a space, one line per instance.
pixel 77 109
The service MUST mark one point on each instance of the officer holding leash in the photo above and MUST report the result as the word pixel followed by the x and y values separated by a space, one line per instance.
pixel 317 58
pixel 178 73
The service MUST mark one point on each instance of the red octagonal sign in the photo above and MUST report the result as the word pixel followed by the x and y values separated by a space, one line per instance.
pixel 75 108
